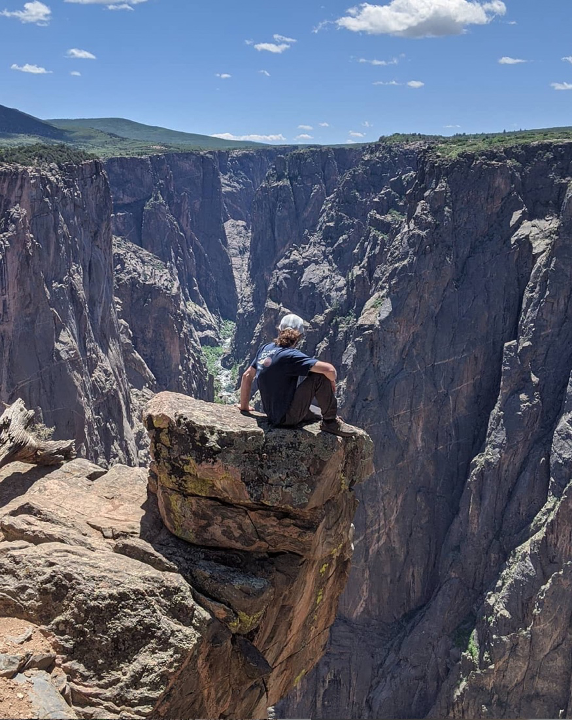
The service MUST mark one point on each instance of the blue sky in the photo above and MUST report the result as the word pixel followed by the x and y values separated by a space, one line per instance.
pixel 298 71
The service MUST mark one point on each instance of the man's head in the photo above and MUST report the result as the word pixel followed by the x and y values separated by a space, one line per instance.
pixel 294 322
pixel 291 330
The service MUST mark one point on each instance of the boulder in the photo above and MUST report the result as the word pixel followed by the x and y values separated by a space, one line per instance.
pixel 131 621
pixel 230 482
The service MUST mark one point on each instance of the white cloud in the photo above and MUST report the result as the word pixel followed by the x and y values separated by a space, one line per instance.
pixel 321 25
pixel 561 86
pixel 34 12
pixel 252 138
pixel 281 44
pixel 567 59
pixel 415 84
pixel 272 47
pixel 391 82
pixel 122 6
pixel 75 73
pixel 36 70
pixel 393 61
pixel 349 141
pixel 77 54
pixel 249 42
pixel 367 124
pixel 356 134
pixel 305 127
pixel 420 18
pixel 511 61
pixel 324 124
pixel 512 22
pixel 223 76
pixel 304 136
pixel 264 72
pixel 281 38
pixel 450 127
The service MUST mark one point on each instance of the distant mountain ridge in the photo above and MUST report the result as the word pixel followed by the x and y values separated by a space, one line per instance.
pixel 106 137
pixel 15 122
pixel 148 133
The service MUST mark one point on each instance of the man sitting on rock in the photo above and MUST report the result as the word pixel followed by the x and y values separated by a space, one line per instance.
pixel 286 401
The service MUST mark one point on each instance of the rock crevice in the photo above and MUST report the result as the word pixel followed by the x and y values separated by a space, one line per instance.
pixel 220 621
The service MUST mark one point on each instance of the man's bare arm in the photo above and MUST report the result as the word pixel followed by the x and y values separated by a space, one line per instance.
pixel 328 370
pixel 246 389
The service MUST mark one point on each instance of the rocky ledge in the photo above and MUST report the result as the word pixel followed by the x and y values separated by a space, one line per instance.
pixel 119 617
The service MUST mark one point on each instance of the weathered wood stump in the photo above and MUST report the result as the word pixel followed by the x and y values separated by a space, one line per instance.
pixel 18 443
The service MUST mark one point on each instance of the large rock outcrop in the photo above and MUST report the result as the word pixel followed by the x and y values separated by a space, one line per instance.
pixel 284 497
pixel 125 620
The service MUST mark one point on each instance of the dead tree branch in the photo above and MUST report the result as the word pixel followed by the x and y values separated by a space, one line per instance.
pixel 17 443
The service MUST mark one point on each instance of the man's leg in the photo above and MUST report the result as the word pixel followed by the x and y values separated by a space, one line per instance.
pixel 316 386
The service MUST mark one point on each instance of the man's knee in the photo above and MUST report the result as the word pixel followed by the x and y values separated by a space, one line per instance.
pixel 319 379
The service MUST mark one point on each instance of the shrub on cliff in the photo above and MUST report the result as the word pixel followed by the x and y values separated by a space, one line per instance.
pixel 40 154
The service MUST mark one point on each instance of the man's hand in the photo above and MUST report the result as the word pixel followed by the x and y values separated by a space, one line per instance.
pixel 248 409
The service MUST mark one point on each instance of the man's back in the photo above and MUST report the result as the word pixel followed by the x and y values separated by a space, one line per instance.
pixel 278 370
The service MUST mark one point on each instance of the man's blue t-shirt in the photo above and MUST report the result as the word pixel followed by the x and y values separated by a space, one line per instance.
pixel 278 370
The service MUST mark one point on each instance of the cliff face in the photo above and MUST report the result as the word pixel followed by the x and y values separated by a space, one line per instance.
pixel 90 327
pixel 178 207
pixel 135 622
pixel 157 320
pixel 182 228
pixel 59 335
pixel 442 291
pixel 440 288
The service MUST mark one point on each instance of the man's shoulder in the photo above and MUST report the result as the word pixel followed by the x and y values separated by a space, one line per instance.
pixel 296 354
pixel 266 347
pixel 265 351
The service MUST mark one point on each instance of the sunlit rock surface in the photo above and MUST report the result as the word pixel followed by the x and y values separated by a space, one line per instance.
pixel 137 622
pixel 284 497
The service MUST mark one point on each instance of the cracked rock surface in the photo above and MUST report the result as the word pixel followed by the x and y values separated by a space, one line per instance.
pixel 281 498
pixel 135 622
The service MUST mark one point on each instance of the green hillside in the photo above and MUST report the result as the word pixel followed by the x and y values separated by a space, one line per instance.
pixel 104 137
pixel 481 142
pixel 14 122
pixel 131 130
pixel 42 154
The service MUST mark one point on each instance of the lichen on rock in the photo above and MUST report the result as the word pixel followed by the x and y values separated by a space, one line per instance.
pixel 280 496
pixel 137 622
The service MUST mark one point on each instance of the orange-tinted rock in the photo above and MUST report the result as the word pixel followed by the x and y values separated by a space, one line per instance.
pixel 140 623
pixel 229 481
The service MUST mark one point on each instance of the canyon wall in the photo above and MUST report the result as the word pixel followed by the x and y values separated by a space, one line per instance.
pixel 60 338
pixel 192 211
pixel 442 292
pixel 440 288
pixel 107 300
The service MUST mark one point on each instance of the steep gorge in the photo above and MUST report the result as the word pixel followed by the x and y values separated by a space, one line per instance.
pixel 440 287
pixel 449 312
